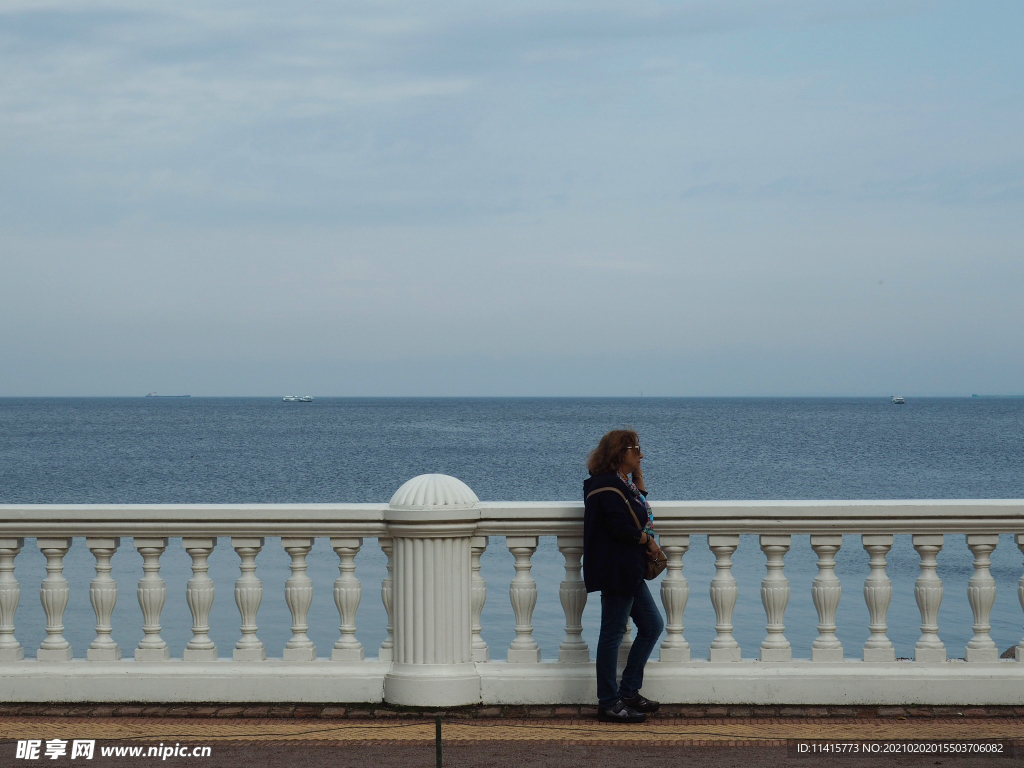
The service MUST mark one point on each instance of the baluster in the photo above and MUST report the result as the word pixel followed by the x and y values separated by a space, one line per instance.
pixel 479 595
pixel 103 596
pixel 1020 596
pixel 248 596
pixel 775 597
pixel 347 594
pixel 723 597
pixel 826 591
pixel 675 591
pixel 298 594
pixel 387 596
pixel 928 593
pixel 981 593
pixel 199 594
pixel 573 595
pixel 10 596
pixel 523 594
pixel 54 594
pixel 152 594
pixel 877 594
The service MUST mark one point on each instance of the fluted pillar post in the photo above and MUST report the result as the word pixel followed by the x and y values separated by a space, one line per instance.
pixel 825 592
pixel 775 597
pixel 675 592
pixel 723 597
pixel 298 594
pixel 928 593
pixel 877 595
pixel 480 650
pixel 248 596
pixel 573 595
pixel 522 591
pixel 348 591
pixel 152 594
pixel 103 595
pixel 54 593
pixel 431 520
pixel 10 596
pixel 387 597
pixel 981 594
pixel 199 595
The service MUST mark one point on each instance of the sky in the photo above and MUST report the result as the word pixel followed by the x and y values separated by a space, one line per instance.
pixel 558 198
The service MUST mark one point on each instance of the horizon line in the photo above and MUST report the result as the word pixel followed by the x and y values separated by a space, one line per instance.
pixel 518 397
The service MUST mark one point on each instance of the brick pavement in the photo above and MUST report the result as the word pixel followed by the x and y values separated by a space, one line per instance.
pixel 708 727
pixel 503 737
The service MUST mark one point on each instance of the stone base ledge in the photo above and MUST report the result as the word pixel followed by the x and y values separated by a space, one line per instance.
pixel 727 686
pixel 176 681
pixel 804 683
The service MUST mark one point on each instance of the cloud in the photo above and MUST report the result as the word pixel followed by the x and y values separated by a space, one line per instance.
pixel 376 181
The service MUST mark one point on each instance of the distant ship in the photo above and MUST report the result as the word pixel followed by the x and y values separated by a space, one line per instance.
pixel 898 400
pixel 297 399
pixel 154 394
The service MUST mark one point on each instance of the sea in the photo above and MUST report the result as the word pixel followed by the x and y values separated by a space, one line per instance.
pixel 263 450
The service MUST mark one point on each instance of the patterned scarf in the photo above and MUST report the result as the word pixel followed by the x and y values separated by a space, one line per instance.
pixel 640 497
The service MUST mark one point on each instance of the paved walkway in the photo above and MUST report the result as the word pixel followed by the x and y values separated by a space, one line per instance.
pixel 663 732
pixel 750 742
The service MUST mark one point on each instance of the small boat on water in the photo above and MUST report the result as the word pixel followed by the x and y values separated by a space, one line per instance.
pixel 297 399
pixel 898 400
pixel 154 394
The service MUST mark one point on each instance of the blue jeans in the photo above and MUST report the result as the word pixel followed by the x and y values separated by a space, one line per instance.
pixel 615 607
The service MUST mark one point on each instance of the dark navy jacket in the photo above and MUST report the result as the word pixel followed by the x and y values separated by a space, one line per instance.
pixel 614 560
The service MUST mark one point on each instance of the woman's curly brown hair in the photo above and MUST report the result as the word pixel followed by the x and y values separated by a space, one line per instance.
pixel 608 455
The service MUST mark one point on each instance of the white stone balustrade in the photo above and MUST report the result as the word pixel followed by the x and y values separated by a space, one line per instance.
pixel 928 593
pixel 347 594
pixel 723 597
pixel 480 650
pixel 981 592
pixel 199 594
pixel 523 594
pixel 10 596
pixel 54 594
pixel 387 596
pixel 573 595
pixel 103 595
pixel 434 533
pixel 298 594
pixel 775 597
pixel 248 596
pixel 825 592
pixel 675 591
pixel 878 595
pixel 152 594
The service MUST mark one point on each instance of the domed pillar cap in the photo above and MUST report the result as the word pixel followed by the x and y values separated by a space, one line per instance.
pixel 433 499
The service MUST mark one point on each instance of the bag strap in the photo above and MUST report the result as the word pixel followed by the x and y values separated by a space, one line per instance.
pixel 628 505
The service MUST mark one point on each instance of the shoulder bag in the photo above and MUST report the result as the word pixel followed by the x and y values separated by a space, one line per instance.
pixel 655 566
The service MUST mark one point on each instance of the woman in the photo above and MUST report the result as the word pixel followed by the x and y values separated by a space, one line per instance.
pixel 615 553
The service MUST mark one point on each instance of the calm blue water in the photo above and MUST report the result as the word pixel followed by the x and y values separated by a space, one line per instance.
pixel 140 450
